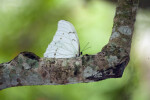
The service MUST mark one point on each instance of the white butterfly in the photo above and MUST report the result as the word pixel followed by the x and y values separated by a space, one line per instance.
pixel 65 43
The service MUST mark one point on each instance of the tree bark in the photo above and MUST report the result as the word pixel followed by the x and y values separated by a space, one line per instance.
pixel 29 69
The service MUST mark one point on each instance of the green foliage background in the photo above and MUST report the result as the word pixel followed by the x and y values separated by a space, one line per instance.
pixel 29 25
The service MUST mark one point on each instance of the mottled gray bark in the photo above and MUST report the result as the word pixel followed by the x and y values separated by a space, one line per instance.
pixel 29 69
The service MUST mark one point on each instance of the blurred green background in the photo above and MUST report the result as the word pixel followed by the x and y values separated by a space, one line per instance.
pixel 29 25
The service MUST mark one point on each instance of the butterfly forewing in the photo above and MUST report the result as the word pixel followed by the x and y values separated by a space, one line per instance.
pixel 65 43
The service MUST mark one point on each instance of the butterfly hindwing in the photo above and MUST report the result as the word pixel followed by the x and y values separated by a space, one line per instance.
pixel 65 43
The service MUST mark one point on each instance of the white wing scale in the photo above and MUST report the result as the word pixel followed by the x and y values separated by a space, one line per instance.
pixel 65 43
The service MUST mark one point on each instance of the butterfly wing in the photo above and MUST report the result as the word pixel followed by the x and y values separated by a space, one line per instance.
pixel 65 43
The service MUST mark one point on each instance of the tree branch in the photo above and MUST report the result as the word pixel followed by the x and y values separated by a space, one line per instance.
pixel 29 69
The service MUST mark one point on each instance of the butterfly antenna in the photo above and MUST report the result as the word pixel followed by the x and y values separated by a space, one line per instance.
pixel 85 47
